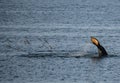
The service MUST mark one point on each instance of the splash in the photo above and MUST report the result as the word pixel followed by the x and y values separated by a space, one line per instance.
pixel 88 48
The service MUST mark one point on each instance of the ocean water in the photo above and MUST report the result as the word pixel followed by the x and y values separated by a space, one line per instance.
pixel 40 39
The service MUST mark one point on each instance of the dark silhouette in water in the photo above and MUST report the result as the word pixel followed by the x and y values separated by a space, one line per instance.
pixel 101 50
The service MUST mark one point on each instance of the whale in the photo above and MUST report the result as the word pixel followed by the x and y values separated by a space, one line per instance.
pixel 101 50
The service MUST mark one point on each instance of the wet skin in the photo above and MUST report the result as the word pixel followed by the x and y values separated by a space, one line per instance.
pixel 101 50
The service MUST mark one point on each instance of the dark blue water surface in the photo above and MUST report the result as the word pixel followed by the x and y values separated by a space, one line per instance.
pixel 40 39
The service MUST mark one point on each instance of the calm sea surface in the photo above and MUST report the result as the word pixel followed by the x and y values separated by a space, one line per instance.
pixel 39 39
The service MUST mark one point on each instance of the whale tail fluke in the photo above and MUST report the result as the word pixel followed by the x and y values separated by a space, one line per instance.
pixel 95 41
pixel 101 50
